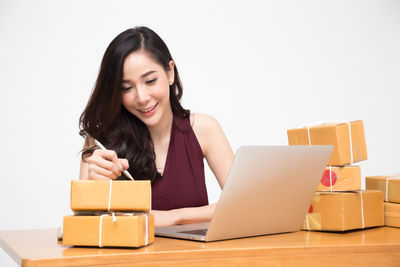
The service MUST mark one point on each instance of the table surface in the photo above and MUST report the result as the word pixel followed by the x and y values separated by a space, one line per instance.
pixel 376 246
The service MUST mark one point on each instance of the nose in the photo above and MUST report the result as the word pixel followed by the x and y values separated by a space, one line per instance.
pixel 142 96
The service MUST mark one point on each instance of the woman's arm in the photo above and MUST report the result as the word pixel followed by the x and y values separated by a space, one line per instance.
pixel 219 156
pixel 215 145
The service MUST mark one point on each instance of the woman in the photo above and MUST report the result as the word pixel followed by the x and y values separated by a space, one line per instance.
pixel 135 112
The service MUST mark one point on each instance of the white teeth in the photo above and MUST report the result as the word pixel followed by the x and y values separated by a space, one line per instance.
pixel 147 110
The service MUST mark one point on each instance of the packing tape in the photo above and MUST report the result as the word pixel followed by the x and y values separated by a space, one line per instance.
pixel 309 125
pixel 146 227
pixel 362 209
pixel 308 226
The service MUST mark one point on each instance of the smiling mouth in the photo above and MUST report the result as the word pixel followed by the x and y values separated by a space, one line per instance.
pixel 147 110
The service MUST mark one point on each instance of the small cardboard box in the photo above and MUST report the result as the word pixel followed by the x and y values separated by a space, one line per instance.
pixel 389 185
pixel 349 145
pixel 95 195
pixel 346 178
pixel 126 231
pixel 342 211
pixel 392 214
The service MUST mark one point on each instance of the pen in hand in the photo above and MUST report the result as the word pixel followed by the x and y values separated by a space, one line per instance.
pixel 127 174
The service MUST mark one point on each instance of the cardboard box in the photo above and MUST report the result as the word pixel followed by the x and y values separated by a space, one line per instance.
pixel 346 178
pixel 389 185
pixel 101 231
pixel 392 214
pixel 349 146
pixel 95 195
pixel 342 211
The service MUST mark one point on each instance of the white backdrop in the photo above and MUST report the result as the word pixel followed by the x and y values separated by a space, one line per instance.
pixel 259 67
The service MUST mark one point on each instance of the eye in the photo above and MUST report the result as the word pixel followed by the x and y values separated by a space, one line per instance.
pixel 151 81
pixel 126 88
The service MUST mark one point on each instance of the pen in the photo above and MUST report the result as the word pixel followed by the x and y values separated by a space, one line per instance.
pixel 127 174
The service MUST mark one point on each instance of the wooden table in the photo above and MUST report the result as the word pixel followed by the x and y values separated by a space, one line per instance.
pixel 372 247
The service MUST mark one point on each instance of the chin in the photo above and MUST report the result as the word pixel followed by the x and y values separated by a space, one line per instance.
pixel 150 122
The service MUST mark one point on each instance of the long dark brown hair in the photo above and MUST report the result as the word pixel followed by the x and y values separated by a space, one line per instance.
pixel 107 120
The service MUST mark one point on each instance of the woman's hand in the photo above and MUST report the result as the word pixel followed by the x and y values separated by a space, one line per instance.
pixel 183 216
pixel 105 165
pixel 166 217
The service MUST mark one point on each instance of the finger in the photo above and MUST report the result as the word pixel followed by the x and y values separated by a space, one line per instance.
pixel 98 160
pixel 103 172
pixel 112 156
pixel 109 165
pixel 124 163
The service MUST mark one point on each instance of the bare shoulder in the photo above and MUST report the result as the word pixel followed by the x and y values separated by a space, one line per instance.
pixel 203 122
pixel 205 128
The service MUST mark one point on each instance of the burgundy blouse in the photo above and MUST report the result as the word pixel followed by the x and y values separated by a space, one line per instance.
pixel 183 181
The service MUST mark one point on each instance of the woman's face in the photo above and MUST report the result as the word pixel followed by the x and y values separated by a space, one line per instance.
pixel 145 88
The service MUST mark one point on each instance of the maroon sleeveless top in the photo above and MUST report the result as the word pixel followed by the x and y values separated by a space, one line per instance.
pixel 183 182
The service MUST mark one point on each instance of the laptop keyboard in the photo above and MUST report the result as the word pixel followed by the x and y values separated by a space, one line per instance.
pixel 202 232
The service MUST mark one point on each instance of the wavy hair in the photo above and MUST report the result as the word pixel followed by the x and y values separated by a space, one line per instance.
pixel 107 120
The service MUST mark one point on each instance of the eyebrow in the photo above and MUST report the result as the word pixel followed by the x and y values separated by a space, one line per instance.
pixel 143 76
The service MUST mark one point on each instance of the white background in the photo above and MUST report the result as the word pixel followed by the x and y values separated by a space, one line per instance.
pixel 258 67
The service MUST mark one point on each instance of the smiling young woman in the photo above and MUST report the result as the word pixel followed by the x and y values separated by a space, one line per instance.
pixel 135 111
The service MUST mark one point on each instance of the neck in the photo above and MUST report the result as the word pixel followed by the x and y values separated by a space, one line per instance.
pixel 162 130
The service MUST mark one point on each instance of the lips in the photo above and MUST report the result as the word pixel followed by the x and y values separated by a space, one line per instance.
pixel 149 110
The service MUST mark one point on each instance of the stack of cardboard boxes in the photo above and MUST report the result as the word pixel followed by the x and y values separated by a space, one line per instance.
pixel 339 203
pixel 390 187
pixel 109 213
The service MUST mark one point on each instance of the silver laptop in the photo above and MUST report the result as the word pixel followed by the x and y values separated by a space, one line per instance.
pixel 268 190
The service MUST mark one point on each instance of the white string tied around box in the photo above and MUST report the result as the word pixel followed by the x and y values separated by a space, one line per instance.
pixel 362 210
pixel 146 228
pixel 351 144
pixel 309 125
pixel 109 196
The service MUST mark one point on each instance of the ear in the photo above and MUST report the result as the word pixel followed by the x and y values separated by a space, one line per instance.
pixel 171 72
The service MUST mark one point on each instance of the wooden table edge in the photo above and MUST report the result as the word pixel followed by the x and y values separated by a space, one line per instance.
pixel 218 254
